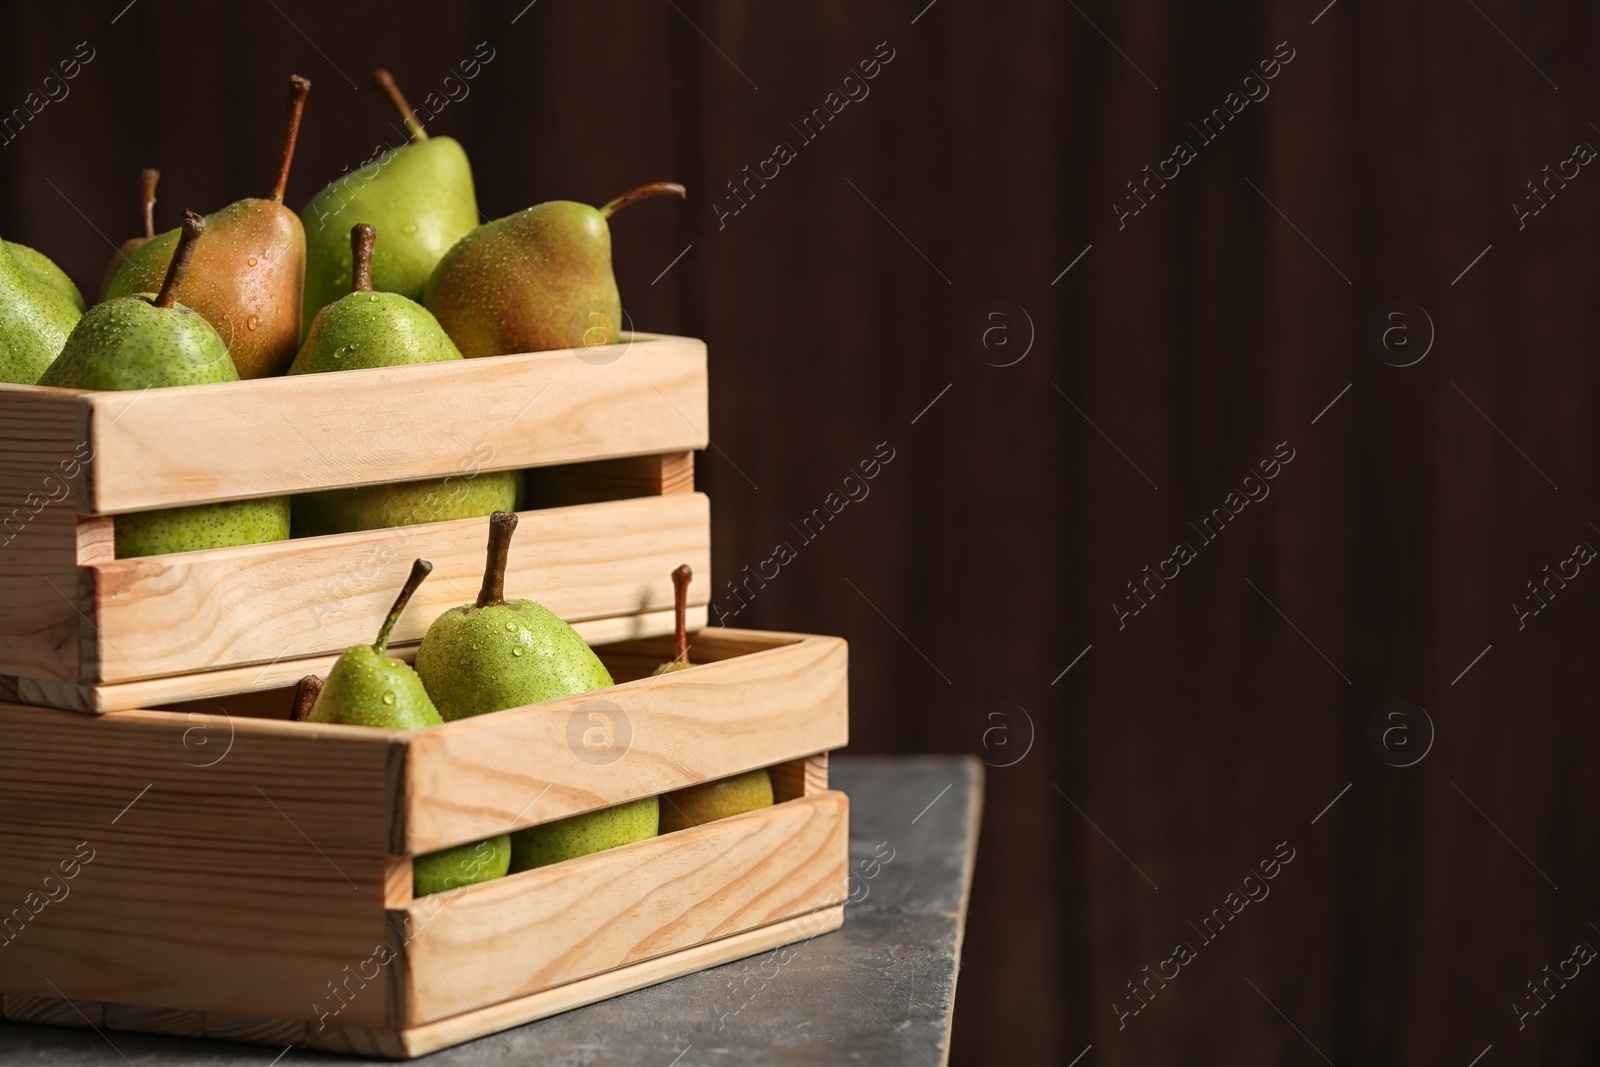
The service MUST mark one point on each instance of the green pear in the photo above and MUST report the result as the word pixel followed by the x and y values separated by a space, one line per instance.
pixel 369 329
pixel 368 688
pixel 420 195
pixel 537 280
pixel 498 654
pixel 150 342
pixel 711 801
pixel 198 526
pixel 39 306
pixel 579 835
pixel 379 507
pixel 365 329
pixel 463 865
pixel 681 577
pixel 37 265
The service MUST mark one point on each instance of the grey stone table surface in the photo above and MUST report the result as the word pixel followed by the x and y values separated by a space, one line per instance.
pixel 879 991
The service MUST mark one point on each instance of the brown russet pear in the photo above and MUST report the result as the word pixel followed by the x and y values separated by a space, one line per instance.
pixel 247 279
pixel 680 609
pixel 537 280
pixel 148 179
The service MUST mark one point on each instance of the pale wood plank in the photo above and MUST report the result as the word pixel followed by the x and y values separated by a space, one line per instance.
pixel 492 1018
pixel 237 865
pixel 238 690
pixel 467 780
pixel 137 1018
pixel 398 882
pixel 609 479
pixel 253 1030
pixel 544 928
pixel 294 434
pixel 96 539
pixel 53 1011
pixel 799 777
pixel 167 615
pixel 40 467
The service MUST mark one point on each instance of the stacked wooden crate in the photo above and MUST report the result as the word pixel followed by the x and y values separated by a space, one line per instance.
pixel 181 858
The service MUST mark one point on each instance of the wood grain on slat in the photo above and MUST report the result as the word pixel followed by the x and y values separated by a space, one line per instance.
pixel 232 865
pixel 489 1018
pixel 474 778
pixel 54 1011
pixel 176 1022
pixel 609 479
pixel 543 928
pixel 202 443
pixel 39 470
pixel 215 688
pixel 254 1030
pixel 166 615
pixel 799 777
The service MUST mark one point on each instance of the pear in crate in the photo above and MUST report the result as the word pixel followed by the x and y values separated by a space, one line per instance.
pixel 536 280
pixel 464 865
pixel 420 198
pixel 579 835
pixel 681 577
pixel 39 306
pixel 496 654
pixel 366 687
pixel 248 280
pixel 305 696
pixel 152 341
pixel 148 180
pixel 365 329
pixel 711 801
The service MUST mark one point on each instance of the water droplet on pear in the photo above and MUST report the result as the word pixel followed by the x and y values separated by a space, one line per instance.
pixel 253 322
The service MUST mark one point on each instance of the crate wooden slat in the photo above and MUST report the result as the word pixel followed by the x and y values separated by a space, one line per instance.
pixel 39 621
pixel 766 699
pixel 196 611
pixel 208 690
pixel 242 866
pixel 204 443
pixel 431 1037
pixel 201 829
pixel 71 460
pixel 541 929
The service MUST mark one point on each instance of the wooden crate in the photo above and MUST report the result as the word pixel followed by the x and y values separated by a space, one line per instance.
pixel 245 877
pixel 82 630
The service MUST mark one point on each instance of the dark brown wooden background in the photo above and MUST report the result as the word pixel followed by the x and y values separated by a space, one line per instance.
pixel 991 548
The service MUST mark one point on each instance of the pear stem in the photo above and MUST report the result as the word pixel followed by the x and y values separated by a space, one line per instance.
pixel 150 176
pixel 305 695
pixel 193 226
pixel 419 570
pixel 680 608
pixel 298 88
pixel 385 82
pixel 502 524
pixel 641 193
pixel 362 238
